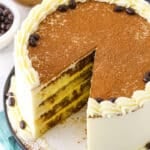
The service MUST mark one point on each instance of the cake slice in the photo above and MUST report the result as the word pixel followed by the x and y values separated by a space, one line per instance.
pixel 67 52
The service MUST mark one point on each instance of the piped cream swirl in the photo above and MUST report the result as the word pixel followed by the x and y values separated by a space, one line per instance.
pixel 121 106
pixel 141 7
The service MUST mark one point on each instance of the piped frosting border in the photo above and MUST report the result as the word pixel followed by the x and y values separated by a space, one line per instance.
pixel 122 105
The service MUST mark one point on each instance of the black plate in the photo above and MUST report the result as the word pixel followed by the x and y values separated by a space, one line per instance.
pixel 6 88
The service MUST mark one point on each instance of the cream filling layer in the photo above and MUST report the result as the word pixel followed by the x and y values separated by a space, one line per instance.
pixel 70 100
pixel 65 112
pixel 56 86
pixel 64 93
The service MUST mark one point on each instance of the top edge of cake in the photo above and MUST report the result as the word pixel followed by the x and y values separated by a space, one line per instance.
pixel 37 14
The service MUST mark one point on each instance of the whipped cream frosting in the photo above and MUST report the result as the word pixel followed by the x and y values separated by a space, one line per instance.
pixel 121 106
pixel 15 117
pixel 126 132
pixel 143 148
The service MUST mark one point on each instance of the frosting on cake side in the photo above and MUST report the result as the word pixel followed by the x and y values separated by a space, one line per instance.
pixel 128 132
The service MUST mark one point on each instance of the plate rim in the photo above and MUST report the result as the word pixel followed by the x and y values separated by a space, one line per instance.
pixel 5 90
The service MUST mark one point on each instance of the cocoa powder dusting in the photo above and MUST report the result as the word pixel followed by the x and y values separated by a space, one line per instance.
pixel 121 41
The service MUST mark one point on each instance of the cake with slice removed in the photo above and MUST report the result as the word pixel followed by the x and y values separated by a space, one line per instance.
pixel 62 46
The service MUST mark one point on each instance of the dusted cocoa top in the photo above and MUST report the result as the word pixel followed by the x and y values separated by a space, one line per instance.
pixel 121 42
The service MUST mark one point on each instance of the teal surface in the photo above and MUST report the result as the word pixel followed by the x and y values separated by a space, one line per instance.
pixel 6 138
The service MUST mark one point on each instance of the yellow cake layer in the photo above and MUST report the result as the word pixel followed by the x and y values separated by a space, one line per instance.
pixel 41 127
pixel 72 96
pixel 66 92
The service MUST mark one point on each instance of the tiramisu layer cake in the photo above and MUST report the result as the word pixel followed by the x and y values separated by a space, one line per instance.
pixel 65 50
